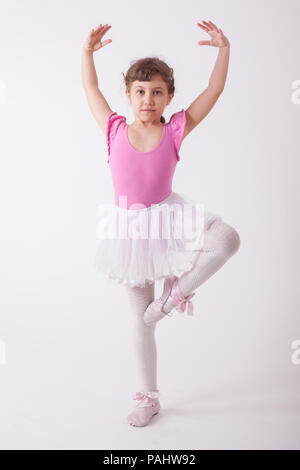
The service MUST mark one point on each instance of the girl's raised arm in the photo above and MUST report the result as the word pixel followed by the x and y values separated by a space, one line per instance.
pixel 203 104
pixel 97 103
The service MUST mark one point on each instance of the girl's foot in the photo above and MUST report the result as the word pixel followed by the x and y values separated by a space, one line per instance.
pixel 148 405
pixel 178 300
pixel 171 297
pixel 154 311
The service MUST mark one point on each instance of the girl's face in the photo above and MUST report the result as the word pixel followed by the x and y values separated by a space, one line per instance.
pixel 145 95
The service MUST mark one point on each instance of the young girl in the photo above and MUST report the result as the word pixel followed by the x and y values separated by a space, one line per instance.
pixel 148 221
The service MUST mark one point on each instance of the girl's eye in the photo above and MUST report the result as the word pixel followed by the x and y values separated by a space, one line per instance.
pixel 154 92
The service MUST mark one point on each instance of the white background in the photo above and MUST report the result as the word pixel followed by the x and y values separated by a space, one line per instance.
pixel 226 376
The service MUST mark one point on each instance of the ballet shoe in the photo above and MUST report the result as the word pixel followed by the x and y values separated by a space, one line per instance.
pixel 179 301
pixel 154 311
pixel 172 293
pixel 148 405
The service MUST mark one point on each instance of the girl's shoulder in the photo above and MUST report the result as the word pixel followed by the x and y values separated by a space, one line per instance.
pixel 177 125
pixel 177 121
pixel 113 123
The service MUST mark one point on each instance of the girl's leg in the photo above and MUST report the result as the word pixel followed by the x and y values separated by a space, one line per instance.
pixel 143 336
pixel 221 241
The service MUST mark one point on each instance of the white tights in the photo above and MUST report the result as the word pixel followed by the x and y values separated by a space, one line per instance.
pixel 221 241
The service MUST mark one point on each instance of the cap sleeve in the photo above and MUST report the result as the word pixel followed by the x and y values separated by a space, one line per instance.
pixel 112 125
pixel 177 123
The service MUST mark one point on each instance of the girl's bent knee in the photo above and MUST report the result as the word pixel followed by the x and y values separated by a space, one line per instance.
pixel 234 241
pixel 228 239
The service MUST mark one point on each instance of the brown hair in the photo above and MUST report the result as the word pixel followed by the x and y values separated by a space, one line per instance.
pixel 143 69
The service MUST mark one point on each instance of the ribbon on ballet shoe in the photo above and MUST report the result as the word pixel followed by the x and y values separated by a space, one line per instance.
pixel 179 301
pixel 146 397
pixel 186 301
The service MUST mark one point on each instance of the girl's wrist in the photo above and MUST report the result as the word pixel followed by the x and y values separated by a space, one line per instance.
pixel 227 45
pixel 87 51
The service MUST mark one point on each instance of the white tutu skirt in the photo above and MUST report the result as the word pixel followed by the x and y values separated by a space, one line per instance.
pixel 136 247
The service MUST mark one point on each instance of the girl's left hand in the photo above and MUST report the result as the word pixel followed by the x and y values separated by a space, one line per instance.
pixel 217 37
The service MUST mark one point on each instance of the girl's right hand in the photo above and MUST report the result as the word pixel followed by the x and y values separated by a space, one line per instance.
pixel 93 42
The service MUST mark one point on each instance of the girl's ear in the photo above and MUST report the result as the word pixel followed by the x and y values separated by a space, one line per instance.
pixel 170 98
pixel 127 94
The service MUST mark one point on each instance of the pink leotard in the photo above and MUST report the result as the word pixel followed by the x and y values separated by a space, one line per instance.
pixel 143 177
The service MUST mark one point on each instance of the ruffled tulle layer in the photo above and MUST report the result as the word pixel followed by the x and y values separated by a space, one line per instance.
pixel 136 247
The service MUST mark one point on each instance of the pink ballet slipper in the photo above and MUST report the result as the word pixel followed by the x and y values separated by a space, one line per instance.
pixel 154 311
pixel 177 299
pixel 172 294
pixel 148 405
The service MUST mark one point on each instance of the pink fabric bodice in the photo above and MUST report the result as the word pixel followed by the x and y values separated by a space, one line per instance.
pixel 142 177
